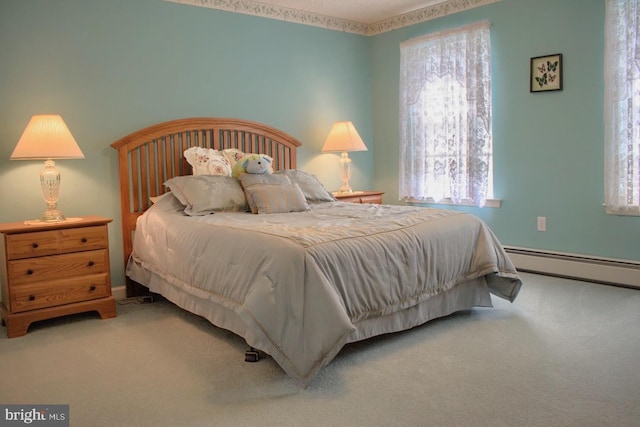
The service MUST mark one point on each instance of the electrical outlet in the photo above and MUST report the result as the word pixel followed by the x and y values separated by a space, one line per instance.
pixel 542 223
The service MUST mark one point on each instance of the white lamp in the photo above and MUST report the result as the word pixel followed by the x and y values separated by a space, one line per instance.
pixel 344 137
pixel 47 137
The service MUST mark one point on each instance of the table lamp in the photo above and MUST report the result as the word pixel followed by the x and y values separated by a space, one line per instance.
pixel 344 137
pixel 47 137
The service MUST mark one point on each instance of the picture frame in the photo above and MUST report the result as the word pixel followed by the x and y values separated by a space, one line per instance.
pixel 546 73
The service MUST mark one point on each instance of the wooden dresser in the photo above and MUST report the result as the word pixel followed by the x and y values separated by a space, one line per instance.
pixel 54 269
pixel 360 197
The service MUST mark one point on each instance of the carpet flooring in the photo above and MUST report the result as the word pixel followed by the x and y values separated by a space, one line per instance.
pixel 565 353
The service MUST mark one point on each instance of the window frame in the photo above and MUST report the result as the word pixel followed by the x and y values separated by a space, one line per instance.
pixel 408 109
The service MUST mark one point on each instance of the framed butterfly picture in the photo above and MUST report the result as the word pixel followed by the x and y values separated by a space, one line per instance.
pixel 546 73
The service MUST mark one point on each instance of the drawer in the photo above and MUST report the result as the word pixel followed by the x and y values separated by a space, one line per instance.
pixel 361 197
pixel 370 199
pixel 31 270
pixel 59 292
pixel 28 245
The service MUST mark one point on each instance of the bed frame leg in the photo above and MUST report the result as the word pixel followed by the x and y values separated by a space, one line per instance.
pixel 135 289
pixel 252 355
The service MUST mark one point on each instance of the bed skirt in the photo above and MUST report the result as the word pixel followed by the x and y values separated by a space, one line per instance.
pixel 466 295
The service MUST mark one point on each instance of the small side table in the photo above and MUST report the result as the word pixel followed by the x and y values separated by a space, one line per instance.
pixel 360 197
pixel 54 269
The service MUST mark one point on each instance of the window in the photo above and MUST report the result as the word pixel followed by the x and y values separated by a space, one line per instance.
pixel 445 117
pixel 622 107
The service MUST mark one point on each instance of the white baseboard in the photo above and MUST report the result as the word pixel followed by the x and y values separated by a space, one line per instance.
pixel 593 269
pixel 119 292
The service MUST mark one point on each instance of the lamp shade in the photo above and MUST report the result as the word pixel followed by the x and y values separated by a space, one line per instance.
pixel 46 137
pixel 343 136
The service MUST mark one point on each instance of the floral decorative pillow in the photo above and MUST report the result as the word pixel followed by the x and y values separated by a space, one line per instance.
pixel 207 161
pixel 233 155
pixel 206 194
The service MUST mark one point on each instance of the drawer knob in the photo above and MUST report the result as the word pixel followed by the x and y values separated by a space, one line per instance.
pixel 34 245
pixel 92 288
pixel 29 272
pixel 32 297
pixel 91 263
pixel 83 240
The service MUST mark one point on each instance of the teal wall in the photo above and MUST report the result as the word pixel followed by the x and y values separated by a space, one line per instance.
pixel 112 67
pixel 548 147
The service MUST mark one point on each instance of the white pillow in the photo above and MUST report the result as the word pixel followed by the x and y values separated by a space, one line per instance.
pixel 233 155
pixel 207 161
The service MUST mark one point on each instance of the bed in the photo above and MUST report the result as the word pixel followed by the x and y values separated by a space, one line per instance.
pixel 277 260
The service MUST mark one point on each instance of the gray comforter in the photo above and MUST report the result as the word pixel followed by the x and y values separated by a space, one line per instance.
pixel 297 285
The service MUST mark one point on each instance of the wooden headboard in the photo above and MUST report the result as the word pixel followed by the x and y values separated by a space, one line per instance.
pixel 150 156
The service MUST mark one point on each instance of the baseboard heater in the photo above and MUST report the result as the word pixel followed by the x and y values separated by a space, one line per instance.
pixel 582 267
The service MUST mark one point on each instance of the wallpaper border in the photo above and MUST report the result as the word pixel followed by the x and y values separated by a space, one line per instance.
pixel 255 8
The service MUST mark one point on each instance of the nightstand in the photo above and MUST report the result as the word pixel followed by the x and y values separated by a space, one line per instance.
pixel 360 197
pixel 54 269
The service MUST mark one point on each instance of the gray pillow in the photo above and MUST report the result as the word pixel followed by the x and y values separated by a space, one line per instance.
pixel 249 179
pixel 310 185
pixel 276 198
pixel 206 194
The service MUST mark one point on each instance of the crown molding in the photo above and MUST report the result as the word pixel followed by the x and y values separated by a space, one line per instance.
pixel 425 14
pixel 263 10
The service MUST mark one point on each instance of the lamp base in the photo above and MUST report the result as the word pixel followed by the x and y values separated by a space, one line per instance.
pixel 50 182
pixel 345 189
pixel 52 215
pixel 345 173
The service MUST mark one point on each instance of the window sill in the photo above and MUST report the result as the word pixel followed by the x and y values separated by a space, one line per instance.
pixel 490 203
pixel 631 211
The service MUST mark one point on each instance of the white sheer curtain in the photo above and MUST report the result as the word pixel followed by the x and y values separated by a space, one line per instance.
pixel 445 116
pixel 622 106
